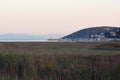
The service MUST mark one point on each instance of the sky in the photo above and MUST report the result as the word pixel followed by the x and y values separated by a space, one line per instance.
pixel 56 16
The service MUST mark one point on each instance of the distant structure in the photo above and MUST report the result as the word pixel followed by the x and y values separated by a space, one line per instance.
pixel 52 40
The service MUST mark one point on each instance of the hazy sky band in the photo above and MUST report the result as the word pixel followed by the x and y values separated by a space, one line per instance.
pixel 56 16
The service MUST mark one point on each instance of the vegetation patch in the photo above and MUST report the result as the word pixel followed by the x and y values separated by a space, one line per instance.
pixel 62 67
pixel 69 61
pixel 108 46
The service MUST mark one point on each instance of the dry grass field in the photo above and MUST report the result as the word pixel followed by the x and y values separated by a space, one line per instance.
pixel 85 48
pixel 59 61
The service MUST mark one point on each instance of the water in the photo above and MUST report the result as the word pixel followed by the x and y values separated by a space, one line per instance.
pixel 23 40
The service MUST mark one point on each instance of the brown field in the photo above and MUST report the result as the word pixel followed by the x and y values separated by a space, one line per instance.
pixel 59 61
pixel 85 48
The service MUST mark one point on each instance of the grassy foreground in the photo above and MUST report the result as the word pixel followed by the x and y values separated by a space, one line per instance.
pixel 60 61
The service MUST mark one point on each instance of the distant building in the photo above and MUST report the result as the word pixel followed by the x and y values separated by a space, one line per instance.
pixel 52 40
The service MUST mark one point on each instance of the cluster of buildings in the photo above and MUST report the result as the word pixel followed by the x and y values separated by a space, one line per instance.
pixel 83 40
pixel 103 37
pixel 98 39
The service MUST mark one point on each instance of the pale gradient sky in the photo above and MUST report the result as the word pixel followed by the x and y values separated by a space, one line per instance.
pixel 56 16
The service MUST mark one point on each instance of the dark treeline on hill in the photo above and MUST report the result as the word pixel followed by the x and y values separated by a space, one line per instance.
pixel 106 31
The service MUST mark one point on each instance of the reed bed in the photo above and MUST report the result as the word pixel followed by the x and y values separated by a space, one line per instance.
pixel 60 61
pixel 59 67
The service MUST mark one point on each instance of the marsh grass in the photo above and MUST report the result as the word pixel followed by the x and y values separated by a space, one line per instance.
pixel 58 61
pixel 62 67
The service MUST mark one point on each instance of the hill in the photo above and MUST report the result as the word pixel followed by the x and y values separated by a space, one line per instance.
pixel 94 32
